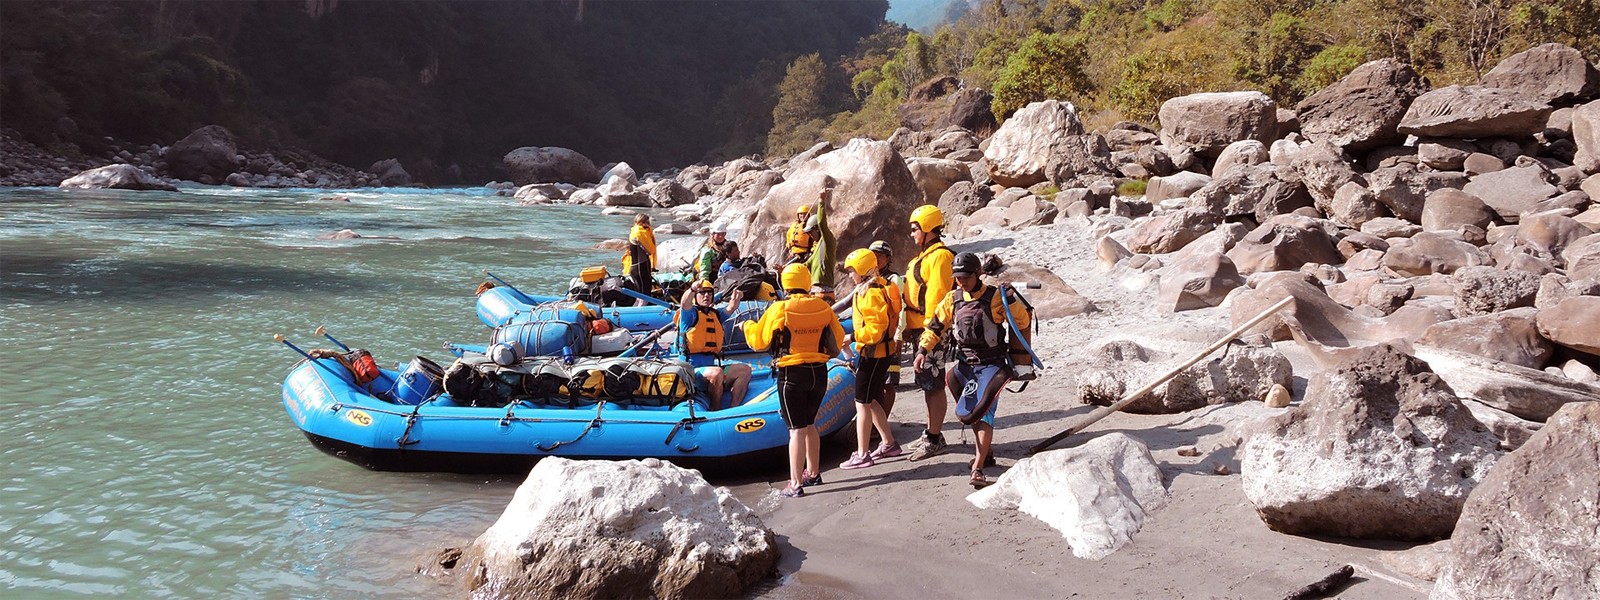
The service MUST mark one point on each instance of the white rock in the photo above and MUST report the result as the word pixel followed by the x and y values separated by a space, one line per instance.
pixel 1097 495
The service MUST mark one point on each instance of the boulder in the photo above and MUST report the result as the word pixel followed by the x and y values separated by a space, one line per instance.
pixel 1403 189
pixel 1097 495
pixel 1244 373
pixel 1242 152
pixel 1122 140
pixel 1171 231
pixel 1573 323
pixel 1323 168
pixel 390 172
pixel 970 109
pixel 1554 74
pixel 1582 257
pixel 1586 135
pixel 1509 337
pixel 1258 191
pixel 1428 252
pixel 1379 448
pixel 1353 205
pixel 666 193
pixel 872 192
pixel 116 177
pixel 1531 528
pixel 1548 235
pixel 1474 113
pixel 1284 243
pixel 609 529
pixel 1444 154
pixel 964 198
pixel 621 172
pixel 1485 290
pixel 1513 431
pixel 1511 192
pixel 1177 185
pixel 207 155
pixel 935 175
pixel 549 164
pixel 1078 160
pixel 1054 299
pixel 945 143
pixel 1525 392
pixel 1208 122
pixel 1362 110
pixel 1451 209
pixel 1329 332
pixel 1021 149
pixel 1197 281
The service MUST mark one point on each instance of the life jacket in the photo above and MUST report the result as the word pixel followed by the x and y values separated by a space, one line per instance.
pixel 807 335
pixel 887 346
pixel 799 241
pixel 706 335
pixel 980 338
pixel 916 298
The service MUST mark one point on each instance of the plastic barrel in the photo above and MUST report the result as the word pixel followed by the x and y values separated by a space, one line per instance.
pixel 499 306
pixel 422 380
pixel 542 338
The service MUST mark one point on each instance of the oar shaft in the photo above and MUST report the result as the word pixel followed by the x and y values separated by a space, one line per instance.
pixel 502 282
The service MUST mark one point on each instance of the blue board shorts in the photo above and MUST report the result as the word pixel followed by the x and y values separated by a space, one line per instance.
pixel 977 390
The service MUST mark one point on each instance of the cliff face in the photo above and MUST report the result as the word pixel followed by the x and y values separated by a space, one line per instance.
pixel 431 82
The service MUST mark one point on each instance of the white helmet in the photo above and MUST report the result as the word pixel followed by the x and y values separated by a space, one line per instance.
pixel 719 227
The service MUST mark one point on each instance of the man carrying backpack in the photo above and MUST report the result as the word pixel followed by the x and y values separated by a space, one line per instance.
pixel 928 281
pixel 976 317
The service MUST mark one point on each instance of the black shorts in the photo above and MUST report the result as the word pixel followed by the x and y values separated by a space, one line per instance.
pixel 871 376
pixel 931 380
pixel 801 389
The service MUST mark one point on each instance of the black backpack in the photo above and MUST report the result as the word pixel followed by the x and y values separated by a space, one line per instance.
pixel 747 277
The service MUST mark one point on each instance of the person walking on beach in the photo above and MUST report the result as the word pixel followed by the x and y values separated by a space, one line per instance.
pixel 875 315
pixel 639 261
pixel 928 280
pixel 702 334
pixel 975 316
pixel 801 237
pixel 708 265
pixel 802 333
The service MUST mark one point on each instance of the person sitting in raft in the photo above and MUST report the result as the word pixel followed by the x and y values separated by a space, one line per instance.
pixel 731 258
pixel 802 333
pixel 875 315
pixel 639 261
pixel 974 314
pixel 701 337
pixel 709 263
pixel 802 235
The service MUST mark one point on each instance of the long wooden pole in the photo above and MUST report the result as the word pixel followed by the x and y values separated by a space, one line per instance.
pixel 1106 411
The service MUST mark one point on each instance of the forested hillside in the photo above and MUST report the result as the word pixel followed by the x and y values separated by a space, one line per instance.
pixel 1120 59
pixel 431 82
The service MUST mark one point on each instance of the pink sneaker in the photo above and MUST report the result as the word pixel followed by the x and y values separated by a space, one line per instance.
pixel 857 461
pixel 885 450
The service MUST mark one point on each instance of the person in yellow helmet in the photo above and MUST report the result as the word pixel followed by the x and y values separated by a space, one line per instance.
pixel 974 316
pixel 639 261
pixel 802 235
pixel 928 280
pixel 897 285
pixel 702 334
pixel 802 333
pixel 875 316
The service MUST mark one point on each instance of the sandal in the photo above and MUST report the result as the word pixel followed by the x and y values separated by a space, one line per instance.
pixel 978 480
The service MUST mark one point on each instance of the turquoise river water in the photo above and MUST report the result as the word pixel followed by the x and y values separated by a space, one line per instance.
pixel 144 450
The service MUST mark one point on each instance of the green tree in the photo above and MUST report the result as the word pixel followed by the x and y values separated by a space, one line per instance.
pixel 798 118
pixel 1328 66
pixel 1045 66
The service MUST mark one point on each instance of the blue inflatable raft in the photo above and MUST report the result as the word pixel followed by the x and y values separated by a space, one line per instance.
pixel 353 423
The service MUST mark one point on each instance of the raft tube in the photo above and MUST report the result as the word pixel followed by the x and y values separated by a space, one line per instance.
pixel 350 422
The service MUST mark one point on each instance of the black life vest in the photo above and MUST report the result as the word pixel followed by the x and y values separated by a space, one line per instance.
pixel 982 340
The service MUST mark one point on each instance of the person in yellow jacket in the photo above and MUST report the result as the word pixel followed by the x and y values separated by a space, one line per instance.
pixel 803 333
pixel 988 353
pixel 639 261
pixel 928 280
pixel 802 235
pixel 876 315
pixel 702 334
pixel 886 270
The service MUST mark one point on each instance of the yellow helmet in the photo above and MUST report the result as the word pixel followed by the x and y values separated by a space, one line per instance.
pixel 927 217
pixel 861 261
pixel 805 209
pixel 705 285
pixel 796 277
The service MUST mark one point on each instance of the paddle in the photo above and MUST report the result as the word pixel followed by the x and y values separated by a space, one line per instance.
pixel 323 331
pixel 647 340
pixel 279 338
pixel 645 297
pixel 503 282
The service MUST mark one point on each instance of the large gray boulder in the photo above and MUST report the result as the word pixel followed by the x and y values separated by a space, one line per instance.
pixel 619 529
pixel 1511 192
pixel 390 172
pixel 870 192
pixel 1354 205
pixel 1451 209
pixel 1285 243
pixel 1097 495
pixel 1169 232
pixel 1586 135
pixel 1021 149
pixel 1242 152
pixel 1259 191
pixel 1078 160
pixel 549 164
pixel 1474 112
pixel 1244 373
pixel 116 177
pixel 1483 290
pixel 1554 74
pixel 970 109
pixel 1207 122
pixel 1428 252
pixel 1510 337
pixel 1176 185
pixel 1323 168
pixel 1363 110
pixel 935 175
pixel 1526 392
pixel 207 155
pixel 964 198
pixel 1199 280
pixel 1403 188
pixel 1380 448
pixel 1531 528
pixel 1573 323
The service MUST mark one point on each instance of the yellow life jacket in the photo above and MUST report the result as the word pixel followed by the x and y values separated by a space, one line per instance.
pixel 808 332
pixel 706 335
pixel 799 241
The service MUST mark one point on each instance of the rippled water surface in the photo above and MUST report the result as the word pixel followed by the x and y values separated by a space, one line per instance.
pixel 143 447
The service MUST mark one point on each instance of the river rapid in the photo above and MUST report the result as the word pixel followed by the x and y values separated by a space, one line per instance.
pixel 146 451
